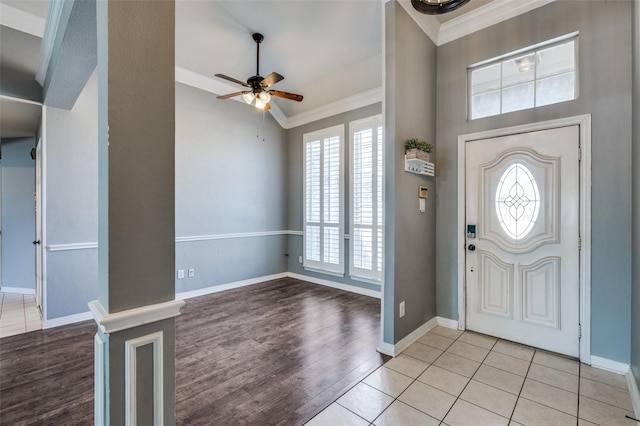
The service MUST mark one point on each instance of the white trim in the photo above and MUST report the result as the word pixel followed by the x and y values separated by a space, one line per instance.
pixel 130 377
pixel 72 246
pixel 394 350
pixel 231 236
pixel 218 87
pixel 446 322
pixel 486 16
pixel 94 245
pixel 386 349
pixel 339 286
pixel 634 392
pixel 110 323
pixel 483 17
pixel 66 320
pixel 428 24
pixel 22 21
pixel 99 401
pixel 43 205
pixel 50 29
pixel 18 290
pixel 609 365
pixel 229 286
pixel 23 101
pixel 350 103
pixel 84 316
pixel 584 123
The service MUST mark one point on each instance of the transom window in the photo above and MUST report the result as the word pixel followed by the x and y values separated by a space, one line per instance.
pixel 541 75
pixel 517 201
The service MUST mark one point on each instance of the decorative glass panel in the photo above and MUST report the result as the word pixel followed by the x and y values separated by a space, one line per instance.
pixel 542 76
pixel 517 201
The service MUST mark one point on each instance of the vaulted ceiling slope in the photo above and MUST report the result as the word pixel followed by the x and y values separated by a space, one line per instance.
pixel 329 51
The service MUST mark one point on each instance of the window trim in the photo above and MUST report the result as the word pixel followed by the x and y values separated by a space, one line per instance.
pixel 534 49
pixel 359 274
pixel 308 264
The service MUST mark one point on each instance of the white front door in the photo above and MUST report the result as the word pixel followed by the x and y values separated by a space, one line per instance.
pixel 522 264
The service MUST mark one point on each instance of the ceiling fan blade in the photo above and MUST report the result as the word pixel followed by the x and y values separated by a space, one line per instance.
pixel 271 79
pixel 226 77
pixel 286 95
pixel 267 107
pixel 231 95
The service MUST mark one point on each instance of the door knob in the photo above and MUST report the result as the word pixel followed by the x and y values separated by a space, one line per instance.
pixel 472 247
pixel 36 242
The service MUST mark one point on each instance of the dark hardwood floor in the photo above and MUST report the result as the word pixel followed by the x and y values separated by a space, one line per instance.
pixel 271 353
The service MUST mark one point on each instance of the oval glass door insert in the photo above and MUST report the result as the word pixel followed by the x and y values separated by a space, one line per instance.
pixel 517 201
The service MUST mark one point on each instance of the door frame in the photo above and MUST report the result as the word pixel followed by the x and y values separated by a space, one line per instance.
pixel 584 123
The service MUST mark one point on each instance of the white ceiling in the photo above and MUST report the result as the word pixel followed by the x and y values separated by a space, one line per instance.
pixel 329 51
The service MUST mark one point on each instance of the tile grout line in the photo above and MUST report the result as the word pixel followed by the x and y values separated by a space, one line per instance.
pixel 416 378
pixel 522 387
pixel 471 378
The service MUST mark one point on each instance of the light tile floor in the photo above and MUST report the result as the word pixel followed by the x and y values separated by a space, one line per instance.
pixel 18 314
pixel 453 378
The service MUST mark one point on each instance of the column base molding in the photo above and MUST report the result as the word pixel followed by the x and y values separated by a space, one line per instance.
pixel 117 321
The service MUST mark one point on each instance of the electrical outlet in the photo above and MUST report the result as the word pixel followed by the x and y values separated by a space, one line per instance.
pixel 180 274
pixel 192 273
pixel 299 259
pixel 401 309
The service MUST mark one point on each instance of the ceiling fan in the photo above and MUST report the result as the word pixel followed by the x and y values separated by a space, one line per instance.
pixel 257 93
pixel 437 7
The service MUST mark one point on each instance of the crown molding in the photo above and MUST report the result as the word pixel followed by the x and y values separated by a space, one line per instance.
pixel 343 105
pixel 484 17
pixel 211 85
pixel 20 20
pixel 428 24
pixel 468 23
pixel 219 87
pixel 50 29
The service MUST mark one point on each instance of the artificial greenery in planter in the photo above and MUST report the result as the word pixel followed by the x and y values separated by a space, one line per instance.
pixel 416 148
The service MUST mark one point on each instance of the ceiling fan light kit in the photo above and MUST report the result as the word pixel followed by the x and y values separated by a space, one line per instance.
pixel 258 95
pixel 437 7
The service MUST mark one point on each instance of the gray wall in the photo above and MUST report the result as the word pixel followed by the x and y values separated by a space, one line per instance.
pixel 295 180
pixel 71 161
pixel 410 111
pixel 605 92
pixel 635 301
pixel 18 215
pixel 230 179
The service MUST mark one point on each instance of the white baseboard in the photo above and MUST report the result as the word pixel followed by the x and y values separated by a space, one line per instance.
pixel 609 365
pixel 18 290
pixel 339 286
pixel 394 350
pixel 69 319
pixel 446 322
pixel 635 392
pixel 229 286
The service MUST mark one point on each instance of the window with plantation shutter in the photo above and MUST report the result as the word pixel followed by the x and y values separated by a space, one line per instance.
pixel 323 206
pixel 366 200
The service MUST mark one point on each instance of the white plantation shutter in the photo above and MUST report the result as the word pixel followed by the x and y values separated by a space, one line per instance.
pixel 366 219
pixel 323 194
